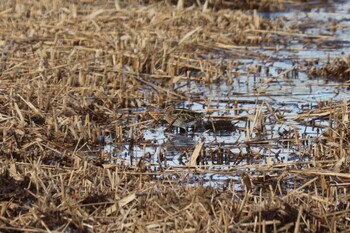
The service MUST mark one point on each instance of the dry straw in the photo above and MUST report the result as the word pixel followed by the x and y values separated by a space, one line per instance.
pixel 75 73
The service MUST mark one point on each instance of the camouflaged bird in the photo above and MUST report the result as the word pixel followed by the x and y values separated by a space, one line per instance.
pixel 181 117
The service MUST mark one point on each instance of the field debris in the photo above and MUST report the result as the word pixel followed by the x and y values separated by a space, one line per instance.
pixel 85 146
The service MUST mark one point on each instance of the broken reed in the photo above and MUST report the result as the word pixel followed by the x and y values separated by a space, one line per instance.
pixel 70 77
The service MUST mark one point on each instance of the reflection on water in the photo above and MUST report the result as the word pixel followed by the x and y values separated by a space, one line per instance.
pixel 251 118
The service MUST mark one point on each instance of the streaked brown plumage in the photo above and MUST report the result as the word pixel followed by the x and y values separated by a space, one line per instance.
pixel 181 117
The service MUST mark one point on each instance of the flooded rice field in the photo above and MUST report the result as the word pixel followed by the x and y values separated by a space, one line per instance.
pixel 259 107
pixel 174 116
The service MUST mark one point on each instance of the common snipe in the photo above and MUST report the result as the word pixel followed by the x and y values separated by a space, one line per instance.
pixel 181 117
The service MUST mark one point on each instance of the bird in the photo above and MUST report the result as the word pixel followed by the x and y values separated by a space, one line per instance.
pixel 181 117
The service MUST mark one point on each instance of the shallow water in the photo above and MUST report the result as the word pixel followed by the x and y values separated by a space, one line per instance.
pixel 230 149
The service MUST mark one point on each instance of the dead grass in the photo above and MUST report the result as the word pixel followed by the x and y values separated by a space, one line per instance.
pixel 72 73
pixel 337 69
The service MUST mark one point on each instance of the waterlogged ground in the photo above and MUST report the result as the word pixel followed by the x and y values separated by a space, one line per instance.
pixel 84 147
pixel 251 113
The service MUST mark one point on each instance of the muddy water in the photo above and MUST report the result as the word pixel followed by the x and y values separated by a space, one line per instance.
pixel 235 108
